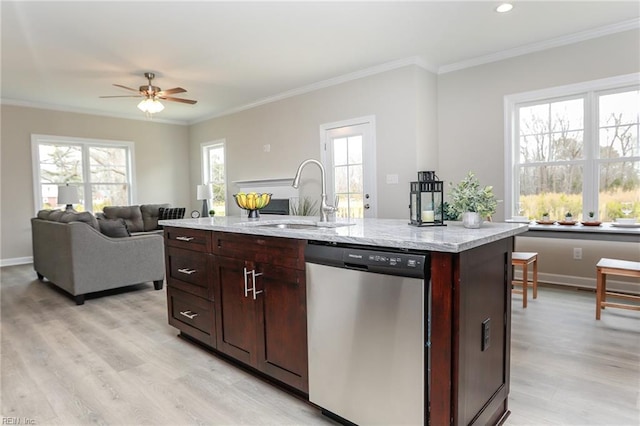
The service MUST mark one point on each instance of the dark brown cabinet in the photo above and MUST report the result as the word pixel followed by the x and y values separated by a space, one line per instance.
pixel 261 305
pixel 245 297
pixel 242 295
pixel 190 286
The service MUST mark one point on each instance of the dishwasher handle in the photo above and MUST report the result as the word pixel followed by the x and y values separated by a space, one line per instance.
pixel 357 267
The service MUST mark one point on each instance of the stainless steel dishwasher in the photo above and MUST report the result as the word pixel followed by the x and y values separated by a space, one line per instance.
pixel 368 333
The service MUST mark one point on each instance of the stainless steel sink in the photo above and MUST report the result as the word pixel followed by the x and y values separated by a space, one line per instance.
pixel 291 226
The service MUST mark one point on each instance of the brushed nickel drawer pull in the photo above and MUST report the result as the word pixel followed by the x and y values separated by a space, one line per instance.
pixel 255 292
pixel 187 271
pixel 253 274
pixel 187 239
pixel 245 272
pixel 189 314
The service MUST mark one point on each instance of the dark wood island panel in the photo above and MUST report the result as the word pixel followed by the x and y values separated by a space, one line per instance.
pixel 470 315
pixel 470 378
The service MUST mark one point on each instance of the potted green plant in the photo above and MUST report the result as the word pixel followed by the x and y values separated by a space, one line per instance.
pixel 303 206
pixel 568 217
pixel 473 201
pixel 545 217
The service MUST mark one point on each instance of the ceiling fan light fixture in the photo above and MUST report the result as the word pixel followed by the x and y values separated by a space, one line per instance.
pixel 150 106
pixel 504 7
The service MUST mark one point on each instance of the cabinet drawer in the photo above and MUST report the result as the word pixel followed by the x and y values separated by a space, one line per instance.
pixel 192 315
pixel 286 252
pixel 189 239
pixel 189 271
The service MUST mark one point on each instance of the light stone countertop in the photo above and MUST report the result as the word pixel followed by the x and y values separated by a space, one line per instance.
pixel 397 233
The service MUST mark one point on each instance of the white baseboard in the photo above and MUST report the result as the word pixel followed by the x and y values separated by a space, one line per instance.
pixel 16 261
pixel 582 282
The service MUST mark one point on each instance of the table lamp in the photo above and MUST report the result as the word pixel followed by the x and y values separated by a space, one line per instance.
pixel 204 193
pixel 68 194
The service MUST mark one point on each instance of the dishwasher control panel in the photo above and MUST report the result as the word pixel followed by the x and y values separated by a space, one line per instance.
pixel 376 261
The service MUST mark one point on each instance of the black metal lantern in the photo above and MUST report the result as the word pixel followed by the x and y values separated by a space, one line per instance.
pixel 426 200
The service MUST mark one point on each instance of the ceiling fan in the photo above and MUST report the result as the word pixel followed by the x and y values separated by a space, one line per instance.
pixel 151 94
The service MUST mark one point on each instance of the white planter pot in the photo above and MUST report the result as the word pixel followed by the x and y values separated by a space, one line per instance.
pixel 471 220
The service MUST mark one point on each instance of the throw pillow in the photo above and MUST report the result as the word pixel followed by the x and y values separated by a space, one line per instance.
pixel 55 215
pixel 86 217
pixel 170 213
pixel 114 228
pixel 44 214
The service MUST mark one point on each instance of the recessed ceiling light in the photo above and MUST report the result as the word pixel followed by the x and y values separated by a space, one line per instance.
pixel 504 7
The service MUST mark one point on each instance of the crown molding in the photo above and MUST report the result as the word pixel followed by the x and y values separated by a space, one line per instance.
pixel 51 107
pixel 631 24
pixel 387 66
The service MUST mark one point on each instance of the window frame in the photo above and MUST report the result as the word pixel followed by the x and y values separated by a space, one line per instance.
pixel 85 144
pixel 589 91
pixel 204 167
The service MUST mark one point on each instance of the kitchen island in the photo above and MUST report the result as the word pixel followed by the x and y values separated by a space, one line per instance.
pixel 215 298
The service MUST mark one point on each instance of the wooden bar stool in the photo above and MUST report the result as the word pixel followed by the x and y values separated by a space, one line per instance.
pixel 524 259
pixel 624 268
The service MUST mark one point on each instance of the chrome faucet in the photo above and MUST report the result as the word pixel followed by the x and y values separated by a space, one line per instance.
pixel 325 209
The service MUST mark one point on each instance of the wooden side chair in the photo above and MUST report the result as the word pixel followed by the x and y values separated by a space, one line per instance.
pixel 624 268
pixel 525 259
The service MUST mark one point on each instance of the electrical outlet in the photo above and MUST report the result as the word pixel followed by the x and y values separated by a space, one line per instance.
pixel 266 148
pixel 577 253
pixel 486 334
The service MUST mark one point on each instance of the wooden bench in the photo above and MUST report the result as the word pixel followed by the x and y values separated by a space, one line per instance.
pixel 524 259
pixel 624 268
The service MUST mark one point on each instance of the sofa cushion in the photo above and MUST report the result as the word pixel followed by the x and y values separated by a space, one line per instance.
pixel 65 216
pixel 114 228
pixel 55 215
pixel 150 214
pixel 131 215
pixel 86 217
pixel 171 213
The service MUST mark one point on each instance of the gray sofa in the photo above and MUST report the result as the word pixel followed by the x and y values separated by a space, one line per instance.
pixel 71 252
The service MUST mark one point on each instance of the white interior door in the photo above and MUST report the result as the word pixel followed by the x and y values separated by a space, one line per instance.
pixel 348 155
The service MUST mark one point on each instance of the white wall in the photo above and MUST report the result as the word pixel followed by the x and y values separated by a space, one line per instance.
pixel 291 126
pixel 161 160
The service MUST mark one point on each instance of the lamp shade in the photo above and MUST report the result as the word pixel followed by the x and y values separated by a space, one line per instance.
pixel 150 106
pixel 68 194
pixel 204 192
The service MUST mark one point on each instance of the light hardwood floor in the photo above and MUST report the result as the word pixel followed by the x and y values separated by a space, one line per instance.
pixel 116 361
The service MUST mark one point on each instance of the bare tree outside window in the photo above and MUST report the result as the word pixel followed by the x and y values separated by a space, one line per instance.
pixel 103 180
pixel 214 173
pixel 553 159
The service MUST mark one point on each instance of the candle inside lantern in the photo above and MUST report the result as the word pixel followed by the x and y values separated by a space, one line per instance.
pixel 428 216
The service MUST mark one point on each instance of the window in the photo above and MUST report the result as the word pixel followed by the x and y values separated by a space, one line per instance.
pixel 574 149
pixel 214 172
pixel 102 170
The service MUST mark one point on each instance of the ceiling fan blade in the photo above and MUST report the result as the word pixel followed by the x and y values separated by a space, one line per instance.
pixel 122 96
pixel 184 101
pixel 125 87
pixel 171 91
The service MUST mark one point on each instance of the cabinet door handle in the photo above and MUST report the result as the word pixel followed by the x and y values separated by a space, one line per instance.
pixel 187 271
pixel 253 274
pixel 255 293
pixel 246 286
pixel 189 314
pixel 187 239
